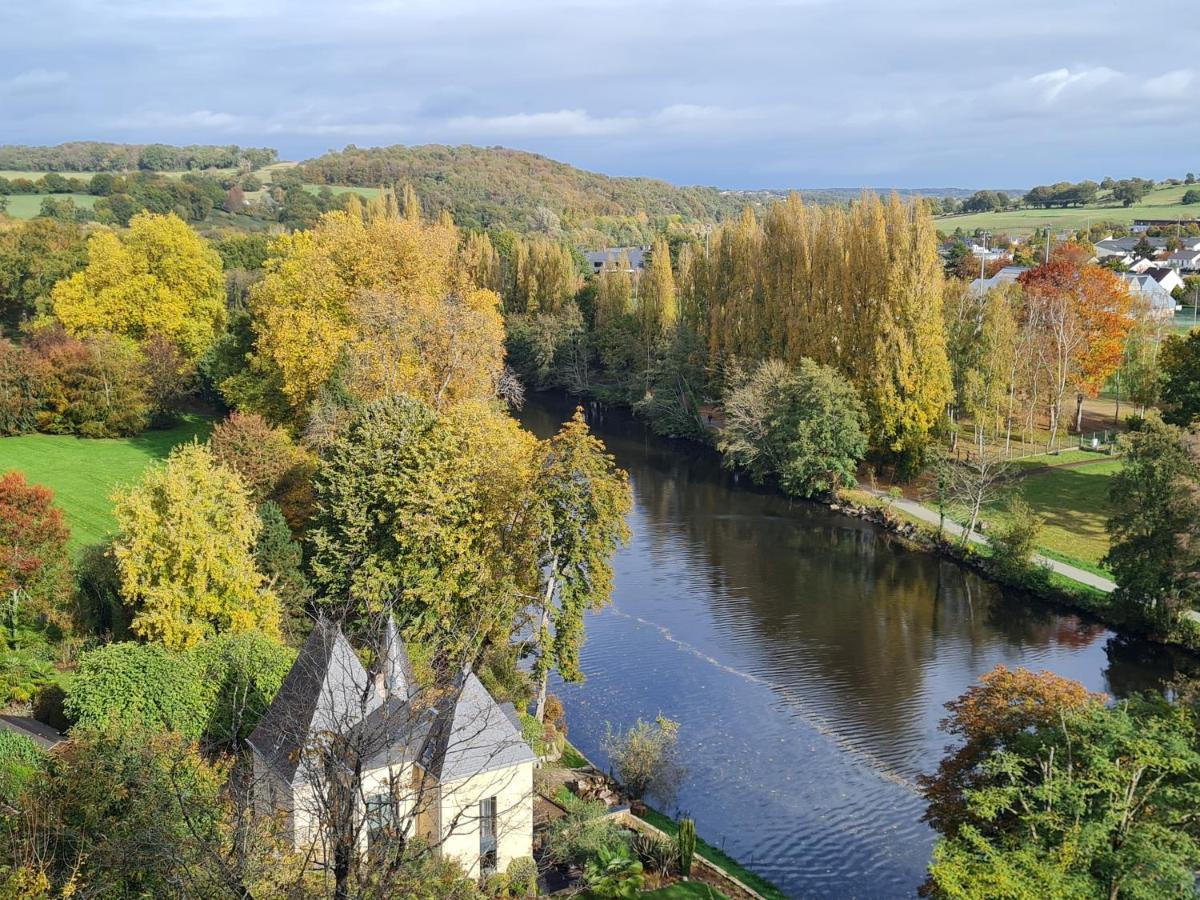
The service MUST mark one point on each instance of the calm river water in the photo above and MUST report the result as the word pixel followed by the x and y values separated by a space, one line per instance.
pixel 807 658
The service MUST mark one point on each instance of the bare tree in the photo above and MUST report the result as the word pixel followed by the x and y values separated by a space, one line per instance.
pixel 975 484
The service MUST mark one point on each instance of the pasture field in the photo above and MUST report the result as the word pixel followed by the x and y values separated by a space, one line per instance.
pixel 26 206
pixel 84 472
pixel 1162 203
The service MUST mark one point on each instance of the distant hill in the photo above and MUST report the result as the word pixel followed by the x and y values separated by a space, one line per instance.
pixel 97 156
pixel 495 187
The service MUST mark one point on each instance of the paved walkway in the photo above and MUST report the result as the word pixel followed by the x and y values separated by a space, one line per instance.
pixel 925 514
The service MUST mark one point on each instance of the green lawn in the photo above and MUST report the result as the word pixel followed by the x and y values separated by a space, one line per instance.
pixel 83 472
pixel 1074 503
pixel 1162 203
pixel 26 206
pixel 687 889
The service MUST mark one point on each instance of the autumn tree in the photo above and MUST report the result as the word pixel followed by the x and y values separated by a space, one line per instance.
pixel 35 571
pixel 262 454
pixel 160 277
pixel 1181 378
pixel 582 498
pixel 657 304
pixel 185 552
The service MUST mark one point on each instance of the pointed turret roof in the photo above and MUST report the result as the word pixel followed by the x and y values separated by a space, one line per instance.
pixel 393 667
pixel 327 690
pixel 472 734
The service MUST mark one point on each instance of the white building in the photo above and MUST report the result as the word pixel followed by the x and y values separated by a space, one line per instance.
pixel 444 764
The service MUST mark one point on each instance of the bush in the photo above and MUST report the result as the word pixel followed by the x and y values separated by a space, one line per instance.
pixel 582 833
pixel 496 885
pixel 657 853
pixel 20 759
pixel 614 873
pixel 22 674
pixel 98 593
pixel 1013 542
pixel 522 875
pixel 646 758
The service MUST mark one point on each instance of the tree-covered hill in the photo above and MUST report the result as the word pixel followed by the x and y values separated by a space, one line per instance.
pixel 97 156
pixel 495 187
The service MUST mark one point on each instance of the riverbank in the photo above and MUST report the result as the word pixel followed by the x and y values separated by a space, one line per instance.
pixel 1045 579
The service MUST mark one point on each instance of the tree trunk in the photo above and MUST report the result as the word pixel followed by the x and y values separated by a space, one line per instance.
pixel 1079 413
pixel 540 711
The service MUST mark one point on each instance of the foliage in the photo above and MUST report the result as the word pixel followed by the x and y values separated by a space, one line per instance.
pixel 242 673
pixel 260 453
pixel 1013 543
pixel 94 387
pixel 20 389
pixel 582 832
pixel 1180 362
pixel 614 873
pixel 989 716
pixel 158 278
pixel 1095 802
pixel 803 425
pixel 98 156
pixel 120 812
pixel 23 672
pixel 34 256
pixel 280 559
pixel 1153 527
pixel 522 875
pixel 387 300
pixel 127 683
pixel 185 552
pixel 35 572
pixel 686 839
pixel 646 757
pixel 20 760
pixel 657 853
pixel 583 498
pixel 427 510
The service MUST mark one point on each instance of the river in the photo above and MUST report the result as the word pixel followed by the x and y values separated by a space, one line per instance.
pixel 807 657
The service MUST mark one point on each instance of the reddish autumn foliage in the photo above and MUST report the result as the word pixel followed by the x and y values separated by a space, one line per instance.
pixel 33 550
pixel 1094 312
pixel 1005 703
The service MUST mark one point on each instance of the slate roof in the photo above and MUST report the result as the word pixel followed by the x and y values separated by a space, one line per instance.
pixel 606 258
pixel 39 732
pixel 326 690
pixel 1126 244
pixel 454 732
pixel 1160 298
pixel 472 734
pixel 1006 275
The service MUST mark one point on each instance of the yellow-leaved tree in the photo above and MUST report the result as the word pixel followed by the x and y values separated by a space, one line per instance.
pixel 158 278
pixel 185 552
pixel 384 300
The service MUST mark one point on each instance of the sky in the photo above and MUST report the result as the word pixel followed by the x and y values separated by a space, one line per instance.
pixel 761 93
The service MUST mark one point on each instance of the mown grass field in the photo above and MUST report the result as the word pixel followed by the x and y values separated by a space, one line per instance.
pixel 1162 203
pixel 1073 500
pixel 26 206
pixel 83 472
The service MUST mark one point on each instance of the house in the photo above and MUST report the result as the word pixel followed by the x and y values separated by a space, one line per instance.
pixel 1126 245
pixel 1144 287
pixel 444 763
pixel 1007 275
pixel 603 260
pixel 1188 260
pixel 1168 278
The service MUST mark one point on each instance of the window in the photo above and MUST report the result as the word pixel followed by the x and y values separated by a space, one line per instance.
pixel 381 817
pixel 487 836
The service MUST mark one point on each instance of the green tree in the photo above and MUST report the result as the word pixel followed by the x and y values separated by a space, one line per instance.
pixel 186 552
pixel 804 426
pixel 280 558
pixel 1180 363
pixel 1154 523
pixel 582 498
pixel 647 758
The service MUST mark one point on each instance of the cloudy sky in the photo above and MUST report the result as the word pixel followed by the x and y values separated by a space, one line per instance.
pixel 736 93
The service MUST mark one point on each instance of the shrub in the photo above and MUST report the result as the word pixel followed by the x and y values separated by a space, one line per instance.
pixel 243 672
pixel 522 875
pixel 98 593
pixel 657 853
pixel 20 758
pixel 646 757
pixel 22 673
pixel 1014 541
pixel 614 873
pixel 582 832
pixel 686 838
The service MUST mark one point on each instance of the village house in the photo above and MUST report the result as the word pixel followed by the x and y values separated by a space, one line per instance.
pixel 1145 288
pixel 609 260
pixel 444 764
pixel 1187 260
pixel 1007 275
pixel 1168 279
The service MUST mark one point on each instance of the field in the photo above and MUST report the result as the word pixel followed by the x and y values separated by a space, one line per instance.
pixel 26 206
pixel 1162 203
pixel 1073 500
pixel 10 174
pixel 83 473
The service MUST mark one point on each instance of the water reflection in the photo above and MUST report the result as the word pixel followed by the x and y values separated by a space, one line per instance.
pixel 807 657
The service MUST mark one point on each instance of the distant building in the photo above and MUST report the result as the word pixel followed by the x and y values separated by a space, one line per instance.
pixel 1187 260
pixel 1126 245
pixel 604 260
pixel 1168 278
pixel 1007 275
pixel 1144 287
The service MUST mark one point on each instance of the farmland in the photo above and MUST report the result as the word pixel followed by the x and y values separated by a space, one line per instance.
pixel 26 206
pixel 1164 202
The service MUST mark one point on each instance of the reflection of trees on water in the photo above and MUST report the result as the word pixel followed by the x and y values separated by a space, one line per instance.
pixel 830 605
